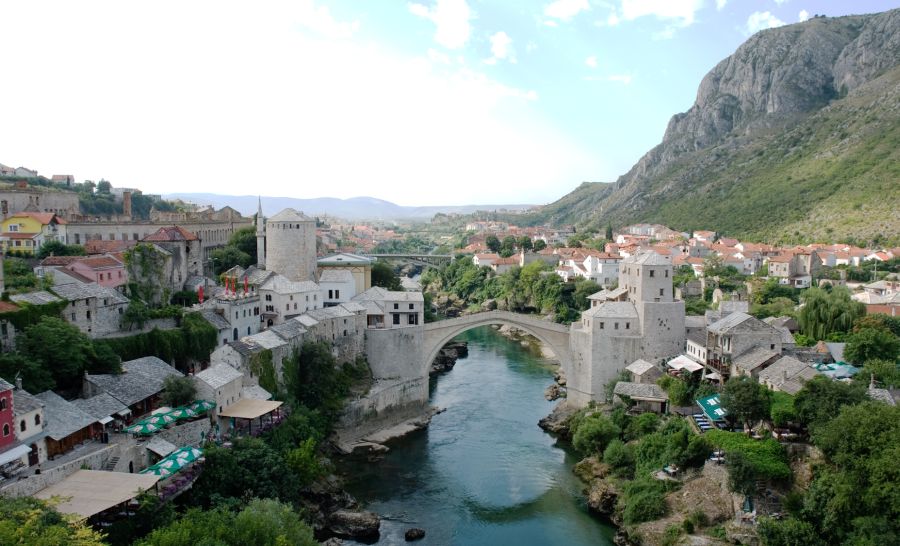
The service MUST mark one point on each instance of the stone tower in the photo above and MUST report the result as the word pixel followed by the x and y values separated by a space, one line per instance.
pixel 260 237
pixel 291 245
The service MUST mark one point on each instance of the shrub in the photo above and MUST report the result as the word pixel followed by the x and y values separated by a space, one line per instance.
pixel 594 433
pixel 645 506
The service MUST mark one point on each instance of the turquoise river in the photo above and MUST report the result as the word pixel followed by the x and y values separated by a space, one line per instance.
pixel 482 472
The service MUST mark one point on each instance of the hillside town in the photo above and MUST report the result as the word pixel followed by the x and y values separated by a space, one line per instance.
pixel 670 320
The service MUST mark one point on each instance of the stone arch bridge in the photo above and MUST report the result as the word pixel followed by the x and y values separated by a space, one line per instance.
pixel 556 336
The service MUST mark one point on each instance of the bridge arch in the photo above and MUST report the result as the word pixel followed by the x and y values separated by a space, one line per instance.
pixel 556 336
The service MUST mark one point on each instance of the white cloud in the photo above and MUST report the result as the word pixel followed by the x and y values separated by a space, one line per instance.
pixel 451 17
pixel 552 24
pixel 779 2
pixel 720 4
pixel 501 48
pixel 613 19
pixel 761 20
pixel 320 21
pixel 621 78
pixel 591 61
pixel 232 91
pixel 803 15
pixel 565 10
pixel 681 10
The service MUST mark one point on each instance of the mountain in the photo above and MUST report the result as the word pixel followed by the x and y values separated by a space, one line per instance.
pixel 797 134
pixel 356 208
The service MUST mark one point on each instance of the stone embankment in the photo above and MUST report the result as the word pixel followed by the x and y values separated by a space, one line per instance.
pixel 447 357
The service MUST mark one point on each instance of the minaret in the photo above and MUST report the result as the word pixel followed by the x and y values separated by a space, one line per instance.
pixel 260 237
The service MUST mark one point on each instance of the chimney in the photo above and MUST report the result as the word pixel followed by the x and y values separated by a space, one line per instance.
pixel 126 203
pixel 18 382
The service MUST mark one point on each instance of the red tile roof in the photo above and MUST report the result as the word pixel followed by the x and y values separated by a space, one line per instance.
pixel 173 233
pixel 6 307
pixel 100 262
pixel 43 217
pixel 18 235
pixel 60 260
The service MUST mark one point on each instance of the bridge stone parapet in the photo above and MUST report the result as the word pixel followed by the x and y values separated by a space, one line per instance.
pixel 556 336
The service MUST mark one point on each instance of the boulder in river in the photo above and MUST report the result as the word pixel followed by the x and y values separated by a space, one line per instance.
pixel 414 534
pixel 358 525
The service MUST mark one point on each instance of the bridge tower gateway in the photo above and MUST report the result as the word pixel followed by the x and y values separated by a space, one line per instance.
pixel 640 319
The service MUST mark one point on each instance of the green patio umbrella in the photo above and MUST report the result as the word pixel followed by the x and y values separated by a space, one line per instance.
pixel 160 419
pixel 142 427
pixel 186 455
pixel 183 412
pixel 201 406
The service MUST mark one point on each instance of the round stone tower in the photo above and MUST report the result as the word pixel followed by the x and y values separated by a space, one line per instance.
pixel 291 245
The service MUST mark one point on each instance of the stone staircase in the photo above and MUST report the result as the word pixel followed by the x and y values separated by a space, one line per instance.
pixel 111 464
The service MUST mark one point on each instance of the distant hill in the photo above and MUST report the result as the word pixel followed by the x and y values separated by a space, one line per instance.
pixel 797 134
pixel 356 208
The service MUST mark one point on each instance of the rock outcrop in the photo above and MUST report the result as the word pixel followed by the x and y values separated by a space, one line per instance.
pixel 355 524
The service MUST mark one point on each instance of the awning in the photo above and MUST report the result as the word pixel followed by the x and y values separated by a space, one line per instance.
pixel 13 454
pixel 90 492
pixel 713 375
pixel 124 413
pixel 249 408
pixel 106 420
pixel 160 447
pixel 682 362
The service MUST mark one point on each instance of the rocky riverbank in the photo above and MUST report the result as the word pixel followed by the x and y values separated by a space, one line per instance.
pixel 447 357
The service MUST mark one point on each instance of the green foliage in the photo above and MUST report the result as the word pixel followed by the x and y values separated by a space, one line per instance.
pixel 765 458
pixel 643 500
pixel 57 248
pixel 250 469
pixel 872 344
pixel 18 276
pixel 229 256
pixel 825 312
pixel 136 315
pixel 745 399
pixel 620 456
pixel 383 275
pixel 28 520
pixel 885 371
pixel 782 409
pixel 313 379
pixel 178 391
pixel 304 461
pixel 642 425
pixel 803 341
pixel 35 377
pixel 878 320
pixel 594 433
pixel 145 264
pixel 821 399
pixel 184 298
pixel 787 532
pixel 772 290
pixel 151 514
pixel 193 341
pixel 777 307
pixel 31 314
pixel 263 367
pixel 64 351
pixel 261 523
pixel 695 306
pixel 539 245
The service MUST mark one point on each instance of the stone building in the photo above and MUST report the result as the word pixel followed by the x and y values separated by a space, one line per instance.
pixel 95 310
pixel 290 247
pixel 734 335
pixel 30 421
pixel 359 267
pixel 220 383
pixel 138 387
pixel 22 197
pixel 184 248
pixel 640 320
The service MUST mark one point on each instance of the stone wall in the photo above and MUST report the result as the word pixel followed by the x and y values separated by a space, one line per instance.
pixel 32 484
pixel 192 433
pixel 396 353
pixel 388 402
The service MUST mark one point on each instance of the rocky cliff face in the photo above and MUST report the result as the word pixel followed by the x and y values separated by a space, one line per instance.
pixel 775 77
pixel 795 134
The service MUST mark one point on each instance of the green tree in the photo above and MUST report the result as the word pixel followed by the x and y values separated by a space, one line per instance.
pixel 539 245
pixel 525 243
pixel 821 399
pixel 885 371
pixel 28 520
pixel 741 473
pixel 63 350
pixel 57 248
pixel 384 276
pixel 244 240
pixel 229 256
pixel 35 377
pixel 492 243
pixel 745 399
pixel 178 391
pixel 313 379
pixel 609 232
pixel 620 456
pixel 136 315
pixel 824 313
pixel 872 344
pixel 594 433
pixel 104 187
pixel 787 532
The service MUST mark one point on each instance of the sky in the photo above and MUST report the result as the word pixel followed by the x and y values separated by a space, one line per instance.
pixel 423 102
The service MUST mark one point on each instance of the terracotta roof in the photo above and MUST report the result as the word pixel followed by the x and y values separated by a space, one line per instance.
pixel 102 247
pixel 101 262
pixel 6 307
pixel 18 235
pixel 172 233
pixel 60 260
pixel 43 217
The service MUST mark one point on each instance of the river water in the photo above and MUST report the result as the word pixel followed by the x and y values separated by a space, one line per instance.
pixel 483 472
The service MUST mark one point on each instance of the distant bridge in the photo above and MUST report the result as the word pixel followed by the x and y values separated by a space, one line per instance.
pixel 428 260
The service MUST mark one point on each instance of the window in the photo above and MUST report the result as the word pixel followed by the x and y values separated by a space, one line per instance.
pixel 396 318
pixel 13 227
pixel 413 318
pixel 73 317
pixel 2 404
pixel 411 306
pixel 337 294
pixel 287 306
pixel 37 419
pixel 331 294
pixel 772 346
pixel 22 426
pixel 667 273
pixel 121 310
pixel 616 326
pixel 396 306
pixel 628 326
pixel 88 314
pixel 601 325
pixel 6 430
pixel 662 291
pixel 651 273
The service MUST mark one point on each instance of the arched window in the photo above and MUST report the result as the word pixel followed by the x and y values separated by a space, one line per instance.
pixel 6 429
pixel 2 404
pixel 22 426
pixel 37 419
pixel 235 334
